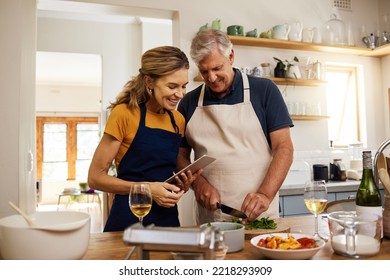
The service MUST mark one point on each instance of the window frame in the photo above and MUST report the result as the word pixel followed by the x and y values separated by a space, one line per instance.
pixel 353 70
pixel 71 140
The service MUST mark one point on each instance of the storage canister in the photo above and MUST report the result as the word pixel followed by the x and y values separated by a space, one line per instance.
pixel 320 172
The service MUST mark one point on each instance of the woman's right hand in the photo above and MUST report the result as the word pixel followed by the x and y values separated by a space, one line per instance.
pixel 165 194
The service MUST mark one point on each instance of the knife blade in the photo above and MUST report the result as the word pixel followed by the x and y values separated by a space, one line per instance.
pixel 231 211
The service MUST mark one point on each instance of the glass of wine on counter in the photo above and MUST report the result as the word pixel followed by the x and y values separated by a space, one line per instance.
pixel 316 197
pixel 140 200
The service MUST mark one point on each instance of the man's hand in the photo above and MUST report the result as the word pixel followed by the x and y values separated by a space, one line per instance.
pixel 205 194
pixel 254 204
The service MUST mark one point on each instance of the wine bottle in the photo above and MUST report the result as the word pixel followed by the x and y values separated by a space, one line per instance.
pixel 368 197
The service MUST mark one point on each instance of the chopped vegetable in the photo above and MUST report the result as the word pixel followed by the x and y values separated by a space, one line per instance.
pixel 264 223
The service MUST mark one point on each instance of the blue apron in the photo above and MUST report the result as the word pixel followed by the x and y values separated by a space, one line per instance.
pixel 151 157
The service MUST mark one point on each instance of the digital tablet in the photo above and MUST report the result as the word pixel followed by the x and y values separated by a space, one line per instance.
pixel 201 162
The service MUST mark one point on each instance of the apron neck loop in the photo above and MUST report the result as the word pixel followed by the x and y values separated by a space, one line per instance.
pixel 245 84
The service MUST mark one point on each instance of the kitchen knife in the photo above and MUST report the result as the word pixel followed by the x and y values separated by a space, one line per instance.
pixel 231 211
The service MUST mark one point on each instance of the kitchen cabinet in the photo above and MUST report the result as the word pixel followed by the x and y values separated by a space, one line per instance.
pixel 292 205
pixel 302 46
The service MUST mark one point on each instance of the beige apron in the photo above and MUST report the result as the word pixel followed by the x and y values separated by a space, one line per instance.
pixel 234 136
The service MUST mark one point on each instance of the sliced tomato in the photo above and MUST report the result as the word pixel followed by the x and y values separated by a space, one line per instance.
pixel 307 242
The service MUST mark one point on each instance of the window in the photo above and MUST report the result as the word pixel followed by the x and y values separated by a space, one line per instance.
pixel 343 105
pixel 65 147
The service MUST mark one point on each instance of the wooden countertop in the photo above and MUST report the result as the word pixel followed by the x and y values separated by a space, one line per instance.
pixel 110 246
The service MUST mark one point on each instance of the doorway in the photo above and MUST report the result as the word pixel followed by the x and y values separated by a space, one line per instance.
pixel 68 108
pixel 120 41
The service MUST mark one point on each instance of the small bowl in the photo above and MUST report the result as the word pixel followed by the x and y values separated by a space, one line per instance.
pixel 234 234
pixel 63 235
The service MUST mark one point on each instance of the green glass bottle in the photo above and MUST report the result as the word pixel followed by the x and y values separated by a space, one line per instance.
pixel 368 197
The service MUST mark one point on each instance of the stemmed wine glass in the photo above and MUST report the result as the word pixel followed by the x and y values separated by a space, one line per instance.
pixel 316 197
pixel 140 200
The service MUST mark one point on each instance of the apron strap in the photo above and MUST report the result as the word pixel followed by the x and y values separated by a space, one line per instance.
pixel 245 84
pixel 201 97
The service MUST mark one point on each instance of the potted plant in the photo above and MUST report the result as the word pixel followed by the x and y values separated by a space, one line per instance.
pixel 83 186
pixel 284 68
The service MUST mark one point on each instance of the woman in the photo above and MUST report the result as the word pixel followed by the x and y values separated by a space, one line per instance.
pixel 143 134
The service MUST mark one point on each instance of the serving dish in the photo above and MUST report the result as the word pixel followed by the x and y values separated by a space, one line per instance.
pixel 279 254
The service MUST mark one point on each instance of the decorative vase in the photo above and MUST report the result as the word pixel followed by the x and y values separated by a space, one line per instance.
pixel 279 71
pixel 293 72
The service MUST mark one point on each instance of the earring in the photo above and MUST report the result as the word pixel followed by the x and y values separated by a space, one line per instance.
pixel 150 90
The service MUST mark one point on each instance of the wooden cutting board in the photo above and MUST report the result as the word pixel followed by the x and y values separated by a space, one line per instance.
pixel 282 227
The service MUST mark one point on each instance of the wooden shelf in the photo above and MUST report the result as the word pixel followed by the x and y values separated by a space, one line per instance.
pixel 296 82
pixel 284 44
pixel 284 81
pixel 308 117
pixel 380 51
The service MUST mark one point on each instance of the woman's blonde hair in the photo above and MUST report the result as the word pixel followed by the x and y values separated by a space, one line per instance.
pixel 155 63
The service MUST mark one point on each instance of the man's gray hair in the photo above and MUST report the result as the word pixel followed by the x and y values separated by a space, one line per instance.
pixel 206 41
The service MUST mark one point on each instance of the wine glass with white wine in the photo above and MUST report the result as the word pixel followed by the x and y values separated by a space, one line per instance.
pixel 315 196
pixel 140 200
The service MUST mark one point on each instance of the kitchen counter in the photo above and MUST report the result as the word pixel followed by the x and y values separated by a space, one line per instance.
pixel 110 246
pixel 333 186
pixel 291 196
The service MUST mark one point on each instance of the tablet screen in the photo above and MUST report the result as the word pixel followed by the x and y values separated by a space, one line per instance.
pixel 201 162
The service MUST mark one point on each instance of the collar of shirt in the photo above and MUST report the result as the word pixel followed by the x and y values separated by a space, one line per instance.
pixel 237 81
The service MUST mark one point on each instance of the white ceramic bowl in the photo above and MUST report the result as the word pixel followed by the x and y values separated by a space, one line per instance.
pixel 234 234
pixel 279 254
pixel 61 235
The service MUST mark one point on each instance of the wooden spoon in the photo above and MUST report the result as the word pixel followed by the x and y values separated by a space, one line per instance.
pixel 381 161
pixel 24 215
pixel 60 226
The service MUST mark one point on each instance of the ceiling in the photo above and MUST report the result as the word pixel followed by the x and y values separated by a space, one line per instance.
pixel 68 68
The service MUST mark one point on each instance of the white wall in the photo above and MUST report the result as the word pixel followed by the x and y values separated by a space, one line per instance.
pixel 114 42
pixel 68 99
pixel 120 50
pixel 17 89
